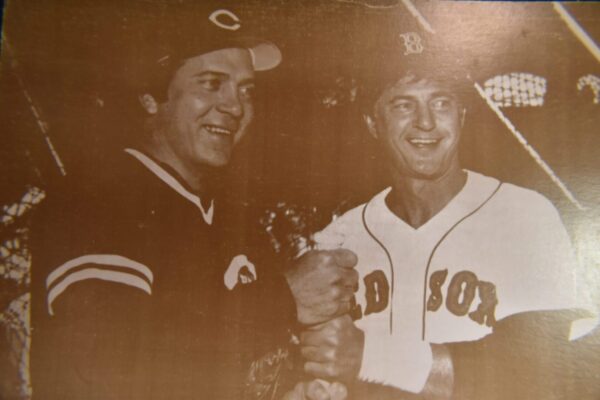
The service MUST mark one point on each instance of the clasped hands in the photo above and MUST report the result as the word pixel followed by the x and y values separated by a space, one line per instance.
pixel 323 284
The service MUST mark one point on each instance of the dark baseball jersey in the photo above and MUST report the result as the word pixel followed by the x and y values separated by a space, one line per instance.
pixel 142 291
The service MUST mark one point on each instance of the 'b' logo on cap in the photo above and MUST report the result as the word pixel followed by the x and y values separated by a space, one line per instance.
pixel 412 43
pixel 225 19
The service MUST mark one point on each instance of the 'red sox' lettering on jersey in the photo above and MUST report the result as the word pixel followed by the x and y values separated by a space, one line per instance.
pixel 460 295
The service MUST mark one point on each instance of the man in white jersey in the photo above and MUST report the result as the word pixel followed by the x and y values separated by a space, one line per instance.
pixel 444 254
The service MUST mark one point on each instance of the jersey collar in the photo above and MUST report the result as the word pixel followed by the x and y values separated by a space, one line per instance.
pixel 170 180
pixel 474 193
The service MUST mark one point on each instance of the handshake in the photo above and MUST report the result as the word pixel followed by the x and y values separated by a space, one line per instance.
pixel 323 284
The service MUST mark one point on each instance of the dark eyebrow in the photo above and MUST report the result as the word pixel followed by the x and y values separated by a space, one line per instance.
pixel 439 93
pixel 215 73
pixel 401 97
pixel 222 75
pixel 247 81
pixel 444 93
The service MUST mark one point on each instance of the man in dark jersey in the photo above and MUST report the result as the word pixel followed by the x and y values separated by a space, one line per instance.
pixel 142 289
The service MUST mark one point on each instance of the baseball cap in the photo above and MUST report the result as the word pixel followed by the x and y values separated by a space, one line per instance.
pixel 399 53
pixel 204 30
pixel 167 37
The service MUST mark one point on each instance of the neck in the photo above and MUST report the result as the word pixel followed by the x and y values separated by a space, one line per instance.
pixel 199 180
pixel 416 200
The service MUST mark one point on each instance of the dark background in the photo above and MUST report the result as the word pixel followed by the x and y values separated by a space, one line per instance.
pixel 72 58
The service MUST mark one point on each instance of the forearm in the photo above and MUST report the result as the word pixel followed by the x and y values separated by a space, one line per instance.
pixel 529 355
pixel 362 390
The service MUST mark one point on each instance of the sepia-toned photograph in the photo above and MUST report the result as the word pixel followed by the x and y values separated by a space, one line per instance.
pixel 299 200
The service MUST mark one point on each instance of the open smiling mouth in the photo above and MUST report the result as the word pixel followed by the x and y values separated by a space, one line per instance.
pixel 423 143
pixel 218 130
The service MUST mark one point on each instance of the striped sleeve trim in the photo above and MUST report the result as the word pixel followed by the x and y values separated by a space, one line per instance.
pixel 62 277
pixel 102 259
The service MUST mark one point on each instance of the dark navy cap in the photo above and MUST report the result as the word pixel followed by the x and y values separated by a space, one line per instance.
pixel 165 38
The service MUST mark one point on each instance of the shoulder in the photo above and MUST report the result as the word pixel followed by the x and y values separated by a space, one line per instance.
pixel 351 219
pixel 352 223
pixel 515 200
pixel 335 234
pixel 90 232
pixel 527 203
pixel 91 208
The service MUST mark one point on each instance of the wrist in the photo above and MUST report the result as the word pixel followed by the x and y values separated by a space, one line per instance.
pixel 440 381
pixel 396 362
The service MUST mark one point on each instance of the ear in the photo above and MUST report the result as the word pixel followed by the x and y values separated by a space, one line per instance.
pixel 371 126
pixel 149 103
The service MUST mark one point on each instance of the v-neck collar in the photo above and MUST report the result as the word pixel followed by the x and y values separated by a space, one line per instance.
pixel 174 183
pixel 382 221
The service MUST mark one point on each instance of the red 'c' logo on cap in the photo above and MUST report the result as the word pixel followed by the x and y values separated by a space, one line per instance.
pixel 233 24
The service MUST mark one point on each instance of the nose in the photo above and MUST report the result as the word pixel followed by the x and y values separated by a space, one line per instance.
pixel 424 119
pixel 229 102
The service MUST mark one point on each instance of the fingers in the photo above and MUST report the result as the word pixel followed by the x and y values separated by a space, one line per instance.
pixel 333 324
pixel 313 390
pixel 321 370
pixel 325 333
pixel 297 393
pixel 347 275
pixel 316 338
pixel 338 391
pixel 349 279
pixel 316 354
pixel 344 258
pixel 323 283
pixel 316 390
pixel 333 350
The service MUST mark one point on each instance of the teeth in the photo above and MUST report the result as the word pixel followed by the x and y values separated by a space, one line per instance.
pixel 423 141
pixel 217 129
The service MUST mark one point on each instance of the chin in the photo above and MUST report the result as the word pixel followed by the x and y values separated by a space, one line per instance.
pixel 216 159
pixel 427 174
pixel 217 164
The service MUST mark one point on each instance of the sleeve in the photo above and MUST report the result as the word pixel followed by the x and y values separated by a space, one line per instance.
pixel 364 390
pixel 99 333
pixel 92 344
pixel 528 356
pixel 541 271
pixel 92 313
pixel 104 340
pixel 396 362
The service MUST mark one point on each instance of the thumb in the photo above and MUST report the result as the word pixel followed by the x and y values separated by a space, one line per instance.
pixel 297 393
pixel 338 391
pixel 344 258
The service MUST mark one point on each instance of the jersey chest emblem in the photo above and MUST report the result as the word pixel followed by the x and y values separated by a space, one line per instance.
pixel 460 295
pixel 240 270
pixel 377 295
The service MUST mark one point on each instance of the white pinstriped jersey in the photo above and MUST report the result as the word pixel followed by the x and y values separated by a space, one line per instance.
pixel 495 250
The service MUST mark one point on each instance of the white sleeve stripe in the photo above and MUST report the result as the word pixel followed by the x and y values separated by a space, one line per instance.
pixel 103 259
pixel 96 273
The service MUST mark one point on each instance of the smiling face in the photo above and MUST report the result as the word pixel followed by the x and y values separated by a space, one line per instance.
pixel 207 112
pixel 418 124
